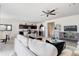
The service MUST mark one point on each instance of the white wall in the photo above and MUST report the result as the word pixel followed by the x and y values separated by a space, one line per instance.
pixel 70 20
pixel 15 24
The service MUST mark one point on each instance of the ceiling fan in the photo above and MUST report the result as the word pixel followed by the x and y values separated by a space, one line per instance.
pixel 48 12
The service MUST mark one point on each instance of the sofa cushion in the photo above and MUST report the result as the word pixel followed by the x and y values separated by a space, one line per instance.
pixel 23 39
pixel 21 50
pixel 41 48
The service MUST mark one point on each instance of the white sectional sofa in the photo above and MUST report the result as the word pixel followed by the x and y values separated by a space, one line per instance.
pixel 31 47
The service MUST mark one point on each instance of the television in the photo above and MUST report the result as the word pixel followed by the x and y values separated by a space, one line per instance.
pixel 70 28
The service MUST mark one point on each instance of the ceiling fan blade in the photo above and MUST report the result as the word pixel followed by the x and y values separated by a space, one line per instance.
pixel 52 14
pixel 44 12
pixel 52 10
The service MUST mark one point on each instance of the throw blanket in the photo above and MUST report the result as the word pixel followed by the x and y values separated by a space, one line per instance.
pixel 58 45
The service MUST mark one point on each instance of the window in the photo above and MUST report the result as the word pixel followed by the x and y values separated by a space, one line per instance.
pixel 5 27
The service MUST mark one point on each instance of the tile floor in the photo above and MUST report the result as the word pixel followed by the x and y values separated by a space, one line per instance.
pixel 7 49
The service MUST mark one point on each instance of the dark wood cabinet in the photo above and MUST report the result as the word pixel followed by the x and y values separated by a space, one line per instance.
pixel 27 26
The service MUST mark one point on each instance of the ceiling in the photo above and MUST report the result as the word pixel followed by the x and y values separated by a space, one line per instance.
pixel 32 12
